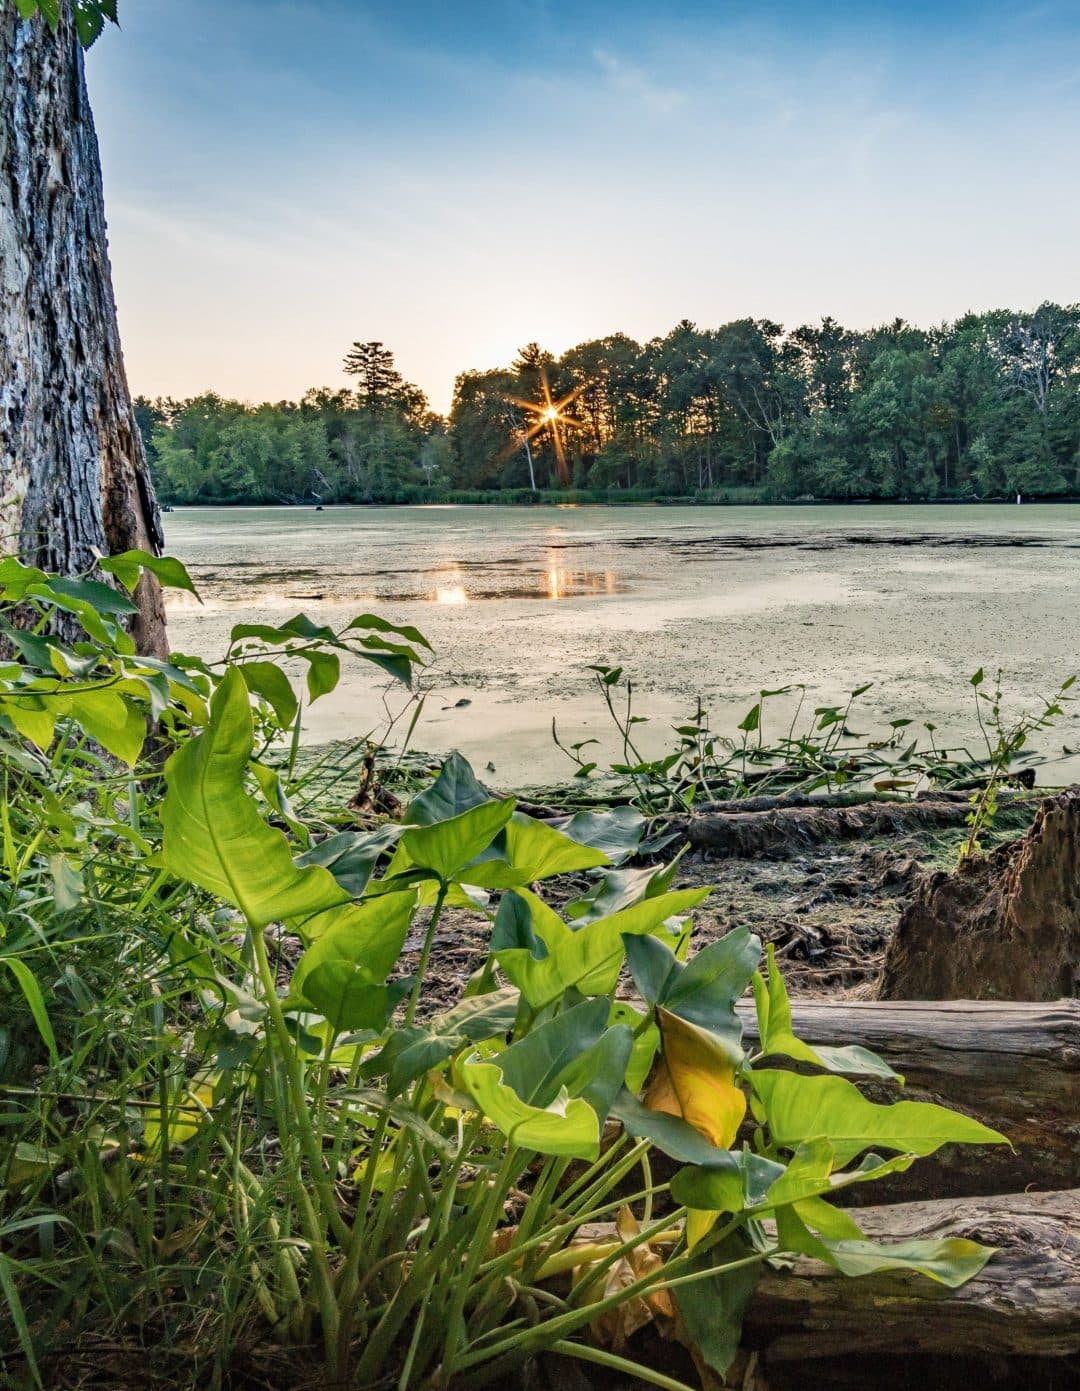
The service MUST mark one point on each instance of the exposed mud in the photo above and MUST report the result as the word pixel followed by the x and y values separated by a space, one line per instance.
pixel 830 914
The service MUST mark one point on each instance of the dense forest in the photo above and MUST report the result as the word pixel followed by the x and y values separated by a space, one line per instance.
pixel 987 406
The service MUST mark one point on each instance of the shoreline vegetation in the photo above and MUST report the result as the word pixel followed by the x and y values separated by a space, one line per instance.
pixel 986 407
pixel 577 497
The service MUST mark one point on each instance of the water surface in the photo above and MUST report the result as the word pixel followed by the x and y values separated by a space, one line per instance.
pixel 693 602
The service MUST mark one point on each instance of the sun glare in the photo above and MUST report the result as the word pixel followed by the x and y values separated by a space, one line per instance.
pixel 547 414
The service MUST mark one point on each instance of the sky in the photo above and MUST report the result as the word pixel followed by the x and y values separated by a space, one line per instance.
pixel 283 177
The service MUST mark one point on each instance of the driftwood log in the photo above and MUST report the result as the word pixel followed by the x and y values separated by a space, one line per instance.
pixel 1015 1066
pixel 1025 1302
pixel 744 834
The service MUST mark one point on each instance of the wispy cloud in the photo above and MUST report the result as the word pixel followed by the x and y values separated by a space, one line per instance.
pixel 634 82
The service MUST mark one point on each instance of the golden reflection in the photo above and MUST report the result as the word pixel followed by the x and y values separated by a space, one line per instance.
pixel 451 594
pixel 562 583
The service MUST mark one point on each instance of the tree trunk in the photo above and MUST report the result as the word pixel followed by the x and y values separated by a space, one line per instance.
pixel 74 482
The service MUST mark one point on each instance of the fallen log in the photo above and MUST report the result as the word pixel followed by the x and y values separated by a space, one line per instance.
pixel 1015 1066
pixel 744 834
pixel 1024 1303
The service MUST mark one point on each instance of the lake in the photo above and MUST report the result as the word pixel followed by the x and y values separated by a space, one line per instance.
pixel 709 602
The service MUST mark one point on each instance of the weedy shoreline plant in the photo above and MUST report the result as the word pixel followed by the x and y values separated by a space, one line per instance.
pixel 818 753
pixel 248 1119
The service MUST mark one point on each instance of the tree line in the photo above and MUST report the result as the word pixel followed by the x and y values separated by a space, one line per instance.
pixel 987 406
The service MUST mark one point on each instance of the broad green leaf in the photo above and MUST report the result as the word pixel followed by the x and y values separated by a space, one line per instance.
pixel 951 1261
pixel 618 832
pixel 368 936
pixel 128 565
pixel 373 623
pixel 31 717
pixel 568 1069
pixel 738 1187
pixel 566 1126
pixel 324 672
pixel 455 790
pixel 543 956
pixel 777 1033
pixel 409 1053
pixel 267 681
pixel 102 598
pixel 812 1172
pixel 16 579
pixel 536 1064
pixel 712 1309
pixel 704 991
pixel 622 888
pixel 832 1223
pixel 801 1108
pixel 117 724
pixel 446 847
pixel 531 850
pixel 215 837
pixel 348 998
pixel 351 856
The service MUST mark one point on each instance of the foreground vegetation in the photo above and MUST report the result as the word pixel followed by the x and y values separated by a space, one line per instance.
pixel 232 1120
pixel 987 406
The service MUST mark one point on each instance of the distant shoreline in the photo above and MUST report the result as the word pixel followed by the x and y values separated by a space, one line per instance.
pixel 578 499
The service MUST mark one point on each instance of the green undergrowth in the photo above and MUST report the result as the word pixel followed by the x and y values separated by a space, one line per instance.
pixel 229 1125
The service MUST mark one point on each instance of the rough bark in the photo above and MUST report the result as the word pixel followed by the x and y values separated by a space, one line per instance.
pixel 1016 1067
pixel 1025 1301
pixel 73 476
pixel 1004 926
pixel 788 828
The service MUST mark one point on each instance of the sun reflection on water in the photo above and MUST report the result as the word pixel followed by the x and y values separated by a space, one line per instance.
pixel 554 582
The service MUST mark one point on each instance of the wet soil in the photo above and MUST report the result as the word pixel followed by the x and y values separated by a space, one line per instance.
pixel 830 916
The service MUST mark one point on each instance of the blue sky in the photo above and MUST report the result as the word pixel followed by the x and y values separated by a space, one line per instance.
pixel 285 176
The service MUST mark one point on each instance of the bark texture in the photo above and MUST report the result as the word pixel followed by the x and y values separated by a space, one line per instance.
pixel 1016 1067
pixel 1004 926
pixel 1024 1302
pixel 788 828
pixel 73 476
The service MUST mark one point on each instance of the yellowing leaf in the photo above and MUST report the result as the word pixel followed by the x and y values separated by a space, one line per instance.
pixel 181 1122
pixel 696 1080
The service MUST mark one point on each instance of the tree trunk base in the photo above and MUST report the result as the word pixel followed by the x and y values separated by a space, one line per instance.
pixel 1003 926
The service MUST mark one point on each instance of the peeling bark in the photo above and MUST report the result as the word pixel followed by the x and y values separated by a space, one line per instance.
pixel 74 481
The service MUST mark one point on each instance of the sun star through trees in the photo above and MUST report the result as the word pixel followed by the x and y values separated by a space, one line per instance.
pixel 548 414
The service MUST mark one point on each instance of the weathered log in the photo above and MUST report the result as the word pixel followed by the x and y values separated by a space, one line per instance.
pixel 1004 926
pixel 1015 1066
pixel 1024 1303
pixel 748 833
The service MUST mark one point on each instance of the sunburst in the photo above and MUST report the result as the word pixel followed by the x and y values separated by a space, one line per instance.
pixel 549 414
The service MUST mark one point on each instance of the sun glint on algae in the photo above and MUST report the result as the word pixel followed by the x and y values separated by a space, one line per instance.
pixel 437 1196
